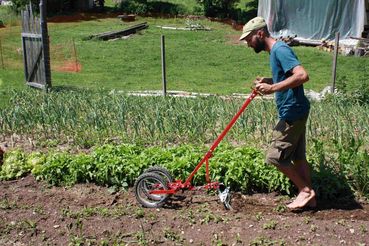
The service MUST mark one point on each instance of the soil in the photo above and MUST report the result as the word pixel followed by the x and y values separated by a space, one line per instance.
pixel 69 66
pixel 32 213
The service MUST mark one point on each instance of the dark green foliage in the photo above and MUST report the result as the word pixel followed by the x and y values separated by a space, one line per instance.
pixel 243 16
pixel 328 182
pixel 53 6
pixel 336 176
pixel 242 168
pixel 143 7
pixel 100 4
pixel 218 8
pixel 55 169
pixel 354 164
pixel 228 9
pixel 19 5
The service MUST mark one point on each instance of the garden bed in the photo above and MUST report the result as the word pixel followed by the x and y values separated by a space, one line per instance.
pixel 33 213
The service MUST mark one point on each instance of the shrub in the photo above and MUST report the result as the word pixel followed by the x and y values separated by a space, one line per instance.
pixel 53 6
pixel 143 7
pixel 218 8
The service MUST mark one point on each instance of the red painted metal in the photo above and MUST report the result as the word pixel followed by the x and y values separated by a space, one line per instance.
pixel 178 185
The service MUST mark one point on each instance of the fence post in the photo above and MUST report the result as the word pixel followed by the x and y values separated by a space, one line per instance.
pixel 334 68
pixel 163 65
pixel 45 44
pixel 2 58
pixel 75 56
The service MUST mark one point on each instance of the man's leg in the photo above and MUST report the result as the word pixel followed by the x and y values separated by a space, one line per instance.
pixel 289 143
pixel 306 193
pixel 303 169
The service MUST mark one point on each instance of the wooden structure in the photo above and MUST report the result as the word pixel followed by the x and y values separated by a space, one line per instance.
pixel 35 44
pixel 121 33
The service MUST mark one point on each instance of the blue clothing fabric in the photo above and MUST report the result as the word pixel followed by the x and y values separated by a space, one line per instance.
pixel 292 103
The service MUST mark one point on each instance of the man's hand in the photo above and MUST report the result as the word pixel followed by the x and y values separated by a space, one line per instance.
pixel 264 85
pixel 264 88
pixel 263 80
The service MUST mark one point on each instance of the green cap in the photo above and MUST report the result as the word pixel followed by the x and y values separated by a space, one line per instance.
pixel 253 24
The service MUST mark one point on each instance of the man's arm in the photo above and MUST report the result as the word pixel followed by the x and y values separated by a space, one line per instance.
pixel 298 77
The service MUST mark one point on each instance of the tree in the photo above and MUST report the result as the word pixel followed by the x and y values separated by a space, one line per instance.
pixel 53 6
pixel 100 4
pixel 218 8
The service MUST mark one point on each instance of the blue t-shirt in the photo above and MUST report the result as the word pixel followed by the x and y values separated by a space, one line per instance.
pixel 291 103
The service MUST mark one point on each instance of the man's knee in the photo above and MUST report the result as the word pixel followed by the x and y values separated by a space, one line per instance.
pixel 276 157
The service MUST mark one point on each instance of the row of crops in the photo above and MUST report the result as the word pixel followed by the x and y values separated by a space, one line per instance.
pixel 84 119
pixel 174 132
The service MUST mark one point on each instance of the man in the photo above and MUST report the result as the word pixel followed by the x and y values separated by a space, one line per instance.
pixel 287 150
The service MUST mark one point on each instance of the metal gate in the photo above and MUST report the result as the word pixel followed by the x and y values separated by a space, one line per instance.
pixel 35 44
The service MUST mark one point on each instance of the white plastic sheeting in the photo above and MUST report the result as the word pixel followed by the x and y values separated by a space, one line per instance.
pixel 314 19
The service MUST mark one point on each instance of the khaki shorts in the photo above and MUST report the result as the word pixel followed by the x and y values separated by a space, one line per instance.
pixel 288 143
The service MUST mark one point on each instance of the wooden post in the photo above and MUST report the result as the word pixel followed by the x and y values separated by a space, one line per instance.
pixel 45 44
pixel 334 68
pixel 75 55
pixel 2 58
pixel 163 65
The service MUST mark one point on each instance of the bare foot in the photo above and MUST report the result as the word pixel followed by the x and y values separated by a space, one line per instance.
pixel 302 199
pixel 312 203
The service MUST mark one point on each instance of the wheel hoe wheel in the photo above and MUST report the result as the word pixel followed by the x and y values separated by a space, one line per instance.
pixel 161 171
pixel 147 182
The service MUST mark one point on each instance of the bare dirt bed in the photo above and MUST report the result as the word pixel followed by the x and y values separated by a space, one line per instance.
pixel 32 213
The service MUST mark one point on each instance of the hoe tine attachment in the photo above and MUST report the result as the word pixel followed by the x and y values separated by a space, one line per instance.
pixel 225 196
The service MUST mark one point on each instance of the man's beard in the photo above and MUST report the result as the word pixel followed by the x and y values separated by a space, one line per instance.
pixel 260 45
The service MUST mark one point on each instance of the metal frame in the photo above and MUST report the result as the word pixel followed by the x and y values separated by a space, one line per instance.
pixel 177 185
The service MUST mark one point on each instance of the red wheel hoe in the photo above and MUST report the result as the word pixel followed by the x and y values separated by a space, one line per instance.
pixel 155 186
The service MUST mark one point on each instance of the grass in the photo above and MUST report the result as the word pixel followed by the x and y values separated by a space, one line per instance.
pixel 196 61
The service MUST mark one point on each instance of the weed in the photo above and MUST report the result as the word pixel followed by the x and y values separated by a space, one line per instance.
pixel 238 238
pixel 272 225
pixel 152 216
pixel 217 240
pixel 89 211
pixel 363 229
pixel 263 241
pixel 191 217
pixel 307 219
pixel 23 226
pixel 76 225
pixel 208 217
pixel 104 242
pixel 172 235
pixel 77 241
pixel 281 208
pixel 259 216
pixel 313 228
pixel 286 226
pixel 32 226
pixel 139 213
pixel 140 236
pixel 341 222
pixel 39 210
pixel 6 204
